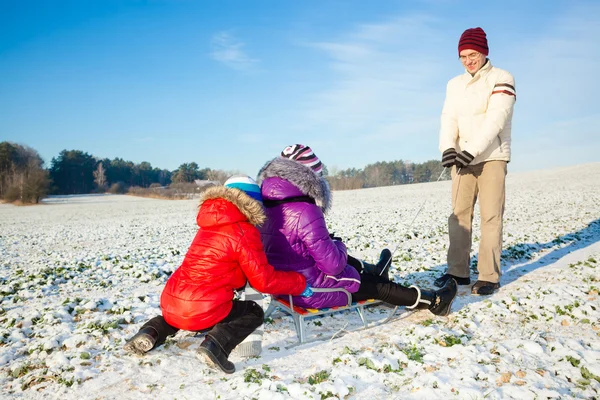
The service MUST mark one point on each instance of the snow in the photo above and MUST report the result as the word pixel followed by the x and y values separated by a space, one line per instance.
pixel 80 274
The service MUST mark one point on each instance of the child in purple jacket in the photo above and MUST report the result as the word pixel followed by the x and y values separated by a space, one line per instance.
pixel 295 237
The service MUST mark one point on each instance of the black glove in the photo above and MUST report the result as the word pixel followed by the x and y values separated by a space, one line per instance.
pixel 463 159
pixel 449 157
pixel 333 237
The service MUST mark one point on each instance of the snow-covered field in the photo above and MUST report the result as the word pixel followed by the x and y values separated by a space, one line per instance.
pixel 80 274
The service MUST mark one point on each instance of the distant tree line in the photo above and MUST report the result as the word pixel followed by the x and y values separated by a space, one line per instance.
pixel 386 174
pixel 23 177
pixel 22 174
pixel 77 172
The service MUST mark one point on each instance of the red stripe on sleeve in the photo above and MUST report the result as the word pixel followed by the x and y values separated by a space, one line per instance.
pixel 505 92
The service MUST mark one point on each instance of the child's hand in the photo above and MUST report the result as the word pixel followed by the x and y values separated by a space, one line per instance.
pixel 307 291
pixel 333 237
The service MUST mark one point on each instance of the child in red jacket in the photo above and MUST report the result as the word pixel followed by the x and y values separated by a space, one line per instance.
pixel 225 254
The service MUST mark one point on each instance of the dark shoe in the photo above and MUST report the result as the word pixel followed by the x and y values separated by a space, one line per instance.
pixel 441 281
pixel 383 265
pixel 381 268
pixel 484 288
pixel 215 356
pixel 438 302
pixel 142 342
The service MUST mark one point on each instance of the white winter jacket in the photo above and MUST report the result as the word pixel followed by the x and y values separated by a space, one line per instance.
pixel 477 114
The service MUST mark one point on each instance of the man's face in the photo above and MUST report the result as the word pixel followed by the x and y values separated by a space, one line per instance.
pixel 472 60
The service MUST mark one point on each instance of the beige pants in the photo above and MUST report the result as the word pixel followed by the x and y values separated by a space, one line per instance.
pixel 486 181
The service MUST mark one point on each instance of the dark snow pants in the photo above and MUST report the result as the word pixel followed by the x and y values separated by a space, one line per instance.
pixel 242 320
pixel 376 287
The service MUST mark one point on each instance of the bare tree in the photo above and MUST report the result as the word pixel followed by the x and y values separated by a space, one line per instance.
pixel 219 175
pixel 100 178
pixel 36 185
pixel 22 175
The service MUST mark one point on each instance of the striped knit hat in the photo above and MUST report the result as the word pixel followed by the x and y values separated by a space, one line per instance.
pixel 305 156
pixel 246 185
pixel 473 39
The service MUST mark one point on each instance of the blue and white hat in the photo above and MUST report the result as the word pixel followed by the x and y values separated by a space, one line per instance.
pixel 245 184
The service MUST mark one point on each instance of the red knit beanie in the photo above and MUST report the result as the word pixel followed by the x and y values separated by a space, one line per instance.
pixel 473 39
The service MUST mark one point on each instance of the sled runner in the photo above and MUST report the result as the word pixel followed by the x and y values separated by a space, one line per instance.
pixel 300 314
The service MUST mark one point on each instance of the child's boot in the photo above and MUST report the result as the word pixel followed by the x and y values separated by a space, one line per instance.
pixel 142 342
pixel 381 268
pixel 439 301
pixel 215 356
pixel 383 265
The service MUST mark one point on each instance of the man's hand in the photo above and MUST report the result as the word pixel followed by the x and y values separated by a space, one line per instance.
pixel 449 158
pixel 463 159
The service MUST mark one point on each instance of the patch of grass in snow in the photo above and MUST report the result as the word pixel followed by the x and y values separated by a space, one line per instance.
pixel 318 377
pixel 368 363
pixel 586 374
pixel 559 310
pixel 21 370
pixel 590 263
pixel 281 388
pixel 30 375
pixel 449 340
pixel 348 350
pixel 8 322
pixel 119 309
pixel 593 290
pixel 68 300
pixel 413 353
pixel 251 375
pixel 519 251
pixel 327 395
pixel 38 379
pixel 65 381
pixel 104 327
pixel 574 362
pixel 18 299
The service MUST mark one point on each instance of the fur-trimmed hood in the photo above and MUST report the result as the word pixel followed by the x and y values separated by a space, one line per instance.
pixel 249 207
pixel 302 177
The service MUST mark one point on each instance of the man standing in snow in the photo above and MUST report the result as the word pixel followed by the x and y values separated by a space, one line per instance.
pixel 475 140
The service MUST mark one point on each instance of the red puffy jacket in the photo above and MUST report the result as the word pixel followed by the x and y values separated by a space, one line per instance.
pixel 225 253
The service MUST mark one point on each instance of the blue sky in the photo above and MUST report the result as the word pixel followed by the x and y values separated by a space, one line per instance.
pixel 228 84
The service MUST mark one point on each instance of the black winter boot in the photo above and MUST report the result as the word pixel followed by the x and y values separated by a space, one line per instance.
pixel 381 268
pixel 441 281
pixel 383 265
pixel 438 302
pixel 142 342
pixel 215 356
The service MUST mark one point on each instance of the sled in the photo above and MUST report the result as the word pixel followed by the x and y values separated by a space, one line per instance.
pixel 300 314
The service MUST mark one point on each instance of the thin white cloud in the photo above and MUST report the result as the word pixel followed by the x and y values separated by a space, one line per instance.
pixel 389 83
pixel 383 78
pixel 555 73
pixel 556 115
pixel 228 50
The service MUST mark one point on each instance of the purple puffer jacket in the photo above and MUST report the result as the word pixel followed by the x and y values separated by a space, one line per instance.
pixel 295 236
